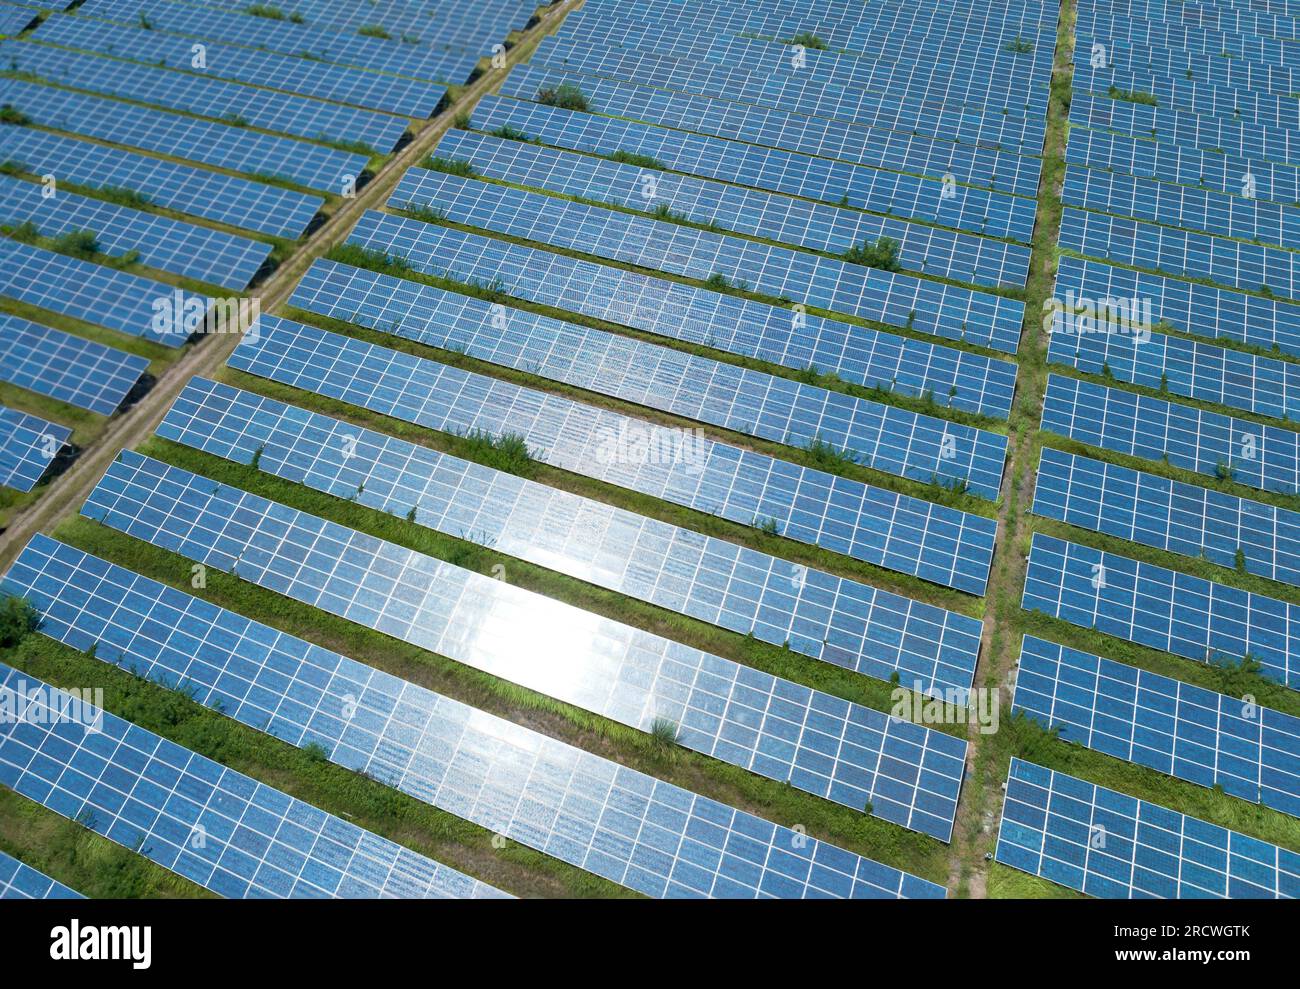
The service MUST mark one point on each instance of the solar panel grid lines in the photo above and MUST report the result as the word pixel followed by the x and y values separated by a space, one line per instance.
pixel 1191 208
pixel 1162 609
pixel 222 145
pixel 716 320
pixel 288 38
pixel 1114 846
pixel 580 808
pixel 214 98
pixel 229 199
pixel 1185 368
pixel 892 440
pixel 21 882
pixel 1175 728
pixel 946 311
pixel 1274 182
pixel 932 308
pixel 1213 17
pixel 1235 73
pixel 1183 128
pixel 1180 253
pixel 13 21
pixel 765 15
pixel 900 91
pixel 1169 515
pixel 186 249
pixel 955 83
pixel 1190 38
pixel 28 445
pixel 846 753
pixel 85 290
pixel 812 612
pixel 1254 454
pixel 776 128
pixel 798 222
pixel 1189 307
pixel 926 540
pixel 150 795
pixel 67 368
pixel 319 80
pixel 916 163
pixel 1190 96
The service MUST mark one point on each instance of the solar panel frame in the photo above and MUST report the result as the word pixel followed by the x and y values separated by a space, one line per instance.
pixel 65 367
pixel 28 445
pixel 19 881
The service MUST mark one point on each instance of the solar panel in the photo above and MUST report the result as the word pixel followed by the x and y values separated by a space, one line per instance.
pixel 880 436
pixel 1192 96
pixel 1177 366
pixel 712 319
pixel 1194 38
pixel 223 145
pixel 1110 845
pixel 1178 518
pixel 637 831
pixel 288 38
pixel 89 291
pixel 930 307
pixel 809 611
pixel 855 756
pixel 22 882
pixel 28 445
pixel 1188 307
pixel 201 253
pixel 1162 609
pixel 1251 453
pixel 798 173
pixel 206 97
pixel 67 368
pixel 1236 73
pixel 934 542
pixel 925 249
pixel 218 828
pixel 393 94
pixel 1213 740
pixel 930 106
pixel 11 22
pixel 224 198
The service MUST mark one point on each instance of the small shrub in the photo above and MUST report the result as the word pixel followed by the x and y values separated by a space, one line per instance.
pixel 632 158
pixel 807 39
pixel 374 31
pixel 566 96
pixel 882 254
pixel 10 114
pixel 18 619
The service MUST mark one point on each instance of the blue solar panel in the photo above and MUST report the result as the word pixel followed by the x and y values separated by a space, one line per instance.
pixel 223 145
pixel 227 199
pixel 1110 845
pixel 201 253
pixel 798 172
pixel 934 542
pixel 946 311
pixel 22 882
pixel 28 445
pixel 1162 609
pixel 80 372
pixel 1192 96
pixel 1261 456
pixel 1169 515
pixel 89 291
pixel 886 438
pixel 647 835
pixel 1252 752
pixel 821 744
pixel 216 827
pixel 206 97
pixel 712 319
pixel 808 611
pixel 1193 37
pixel 926 249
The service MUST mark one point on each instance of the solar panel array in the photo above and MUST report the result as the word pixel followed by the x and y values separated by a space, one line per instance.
pixel 216 827
pixel 878 526
pixel 876 435
pixel 816 742
pixel 28 445
pixel 1110 845
pixel 1195 734
pixel 810 611
pixel 67 368
pixel 646 835
pixel 21 882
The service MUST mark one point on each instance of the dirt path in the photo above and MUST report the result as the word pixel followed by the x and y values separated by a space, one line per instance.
pixel 980 805
pixel 67 492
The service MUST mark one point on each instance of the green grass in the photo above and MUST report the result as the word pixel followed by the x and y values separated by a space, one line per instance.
pixel 807 40
pixel 1132 96
pixel 452 166
pixel 566 96
pixel 632 158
